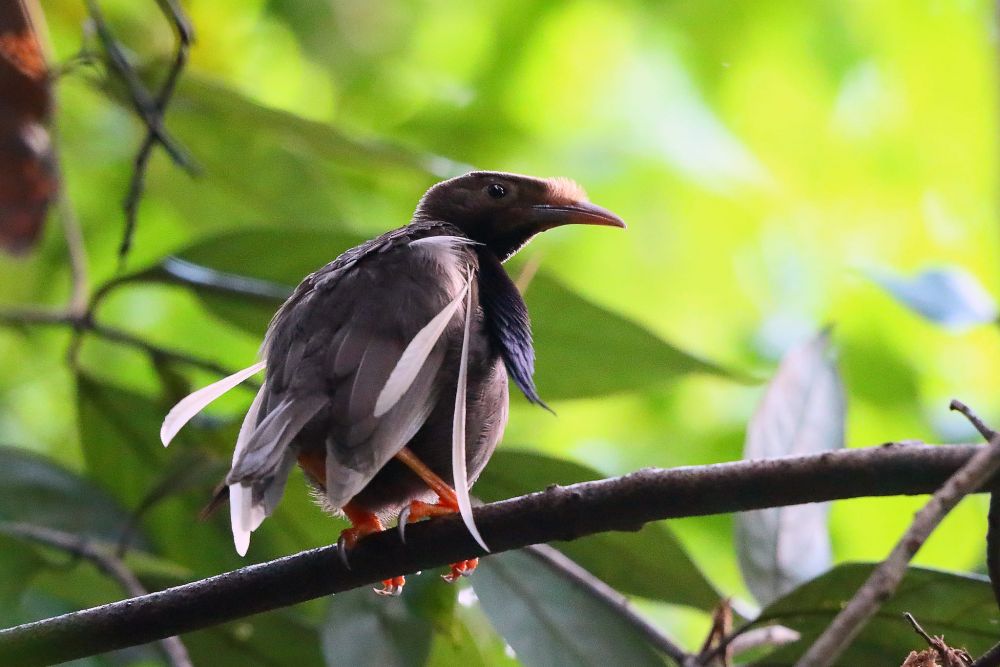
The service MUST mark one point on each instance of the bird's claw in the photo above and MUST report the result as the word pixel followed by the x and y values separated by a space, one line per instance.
pixel 393 587
pixel 404 518
pixel 342 550
pixel 462 568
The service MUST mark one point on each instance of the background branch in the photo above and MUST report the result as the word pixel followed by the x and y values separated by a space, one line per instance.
pixel 884 580
pixel 558 513
pixel 105 561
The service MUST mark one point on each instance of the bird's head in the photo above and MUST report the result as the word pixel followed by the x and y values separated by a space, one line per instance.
pixel 503 211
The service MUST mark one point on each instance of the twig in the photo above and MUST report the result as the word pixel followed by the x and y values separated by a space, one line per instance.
pixel 185 35
pixel 947 656
pixel 84 323
pixel 142 101
pixel 993 542
pixel 884 580
pixel 558 513
pixel 74 544
pixel 772 635
pixel 608 596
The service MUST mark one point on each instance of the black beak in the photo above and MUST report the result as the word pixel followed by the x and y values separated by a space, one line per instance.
pixel 548 216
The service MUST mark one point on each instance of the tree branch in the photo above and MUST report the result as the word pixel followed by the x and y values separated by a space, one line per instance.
pixel 558 513
pixel 885 578
pixel 105 561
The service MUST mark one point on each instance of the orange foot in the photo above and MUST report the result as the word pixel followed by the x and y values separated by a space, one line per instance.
pixel 418 510
pixel 364 523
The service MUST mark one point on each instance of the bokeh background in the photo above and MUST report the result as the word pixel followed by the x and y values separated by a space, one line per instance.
pixel 768 157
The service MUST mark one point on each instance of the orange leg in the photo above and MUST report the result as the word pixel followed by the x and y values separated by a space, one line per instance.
pixel 364 523
pixel 447 504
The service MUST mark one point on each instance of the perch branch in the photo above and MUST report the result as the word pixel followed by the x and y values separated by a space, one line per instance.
pixel 558 513
pixel 885 578
pixel 172 646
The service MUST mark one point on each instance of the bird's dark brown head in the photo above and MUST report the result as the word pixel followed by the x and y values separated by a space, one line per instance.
pixel 503 211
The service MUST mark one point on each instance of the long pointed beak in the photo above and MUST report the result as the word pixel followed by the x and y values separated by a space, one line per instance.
pixel 578 213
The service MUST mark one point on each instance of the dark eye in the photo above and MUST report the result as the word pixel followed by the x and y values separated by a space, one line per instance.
pixel 496 190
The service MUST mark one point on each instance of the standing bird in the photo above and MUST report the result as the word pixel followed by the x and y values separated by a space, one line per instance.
pixel 387 368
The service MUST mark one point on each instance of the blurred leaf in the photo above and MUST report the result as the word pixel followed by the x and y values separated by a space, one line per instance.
pixel 650 562
pixel 548 620
pixel 959 607
pixel 363 628
pixel 34 490
pixel 949 296
pixel 585 350
pixel 274 639
pixel 18 564
pixel 802 412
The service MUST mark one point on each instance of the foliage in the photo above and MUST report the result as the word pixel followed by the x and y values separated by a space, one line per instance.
pixel 767 157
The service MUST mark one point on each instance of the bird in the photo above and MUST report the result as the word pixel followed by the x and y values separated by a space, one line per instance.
pixel 387 369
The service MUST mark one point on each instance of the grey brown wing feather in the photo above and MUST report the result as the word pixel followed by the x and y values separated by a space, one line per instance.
pixel 330 350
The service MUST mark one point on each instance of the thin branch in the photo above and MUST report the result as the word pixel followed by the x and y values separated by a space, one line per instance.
pixel 85 324
pixel 884 580
pixel 558 513
pixel 769 636
pixel 142 101
pixel 583 579
pixel 185 35
pixel 106 562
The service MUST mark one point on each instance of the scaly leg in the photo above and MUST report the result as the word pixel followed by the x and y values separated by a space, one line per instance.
pixel 447 504
pixel 363 522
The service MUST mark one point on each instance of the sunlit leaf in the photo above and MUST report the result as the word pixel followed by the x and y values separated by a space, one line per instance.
pixel 959 607
pixel 650 562
pixel 548 620
pixel 585 350
pixel 802 412
pixel 949 296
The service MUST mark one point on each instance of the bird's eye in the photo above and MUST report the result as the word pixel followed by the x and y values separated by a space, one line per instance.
pixel 496 190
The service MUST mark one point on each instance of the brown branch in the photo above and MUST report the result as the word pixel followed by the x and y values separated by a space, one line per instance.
pixel 885 578
pixel 106 562
pixel 558 513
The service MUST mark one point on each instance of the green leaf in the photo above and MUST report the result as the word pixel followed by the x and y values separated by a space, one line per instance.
pixel 274 639
pixel 35 490
pixel 959 607
pixel 650 562
pixel 584 350
pixel 18 564
pixel 802 412
pixel 363 628
pixel 548 620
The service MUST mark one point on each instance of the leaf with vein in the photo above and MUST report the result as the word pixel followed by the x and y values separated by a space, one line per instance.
pixel 802 412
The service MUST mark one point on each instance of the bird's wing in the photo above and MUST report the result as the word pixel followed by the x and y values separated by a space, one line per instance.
pixel 352 358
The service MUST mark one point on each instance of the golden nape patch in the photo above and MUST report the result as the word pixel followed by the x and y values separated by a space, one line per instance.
pixel 565 190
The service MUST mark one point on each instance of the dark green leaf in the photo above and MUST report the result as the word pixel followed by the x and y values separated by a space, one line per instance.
pixel 548 620
pixel 585 350
pixel 34 490
pixel 363 628
pixel 273 639
pixel 959 607
pixel 18 564
pixel 650 563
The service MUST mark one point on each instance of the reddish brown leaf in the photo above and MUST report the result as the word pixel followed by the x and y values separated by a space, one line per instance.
pixel 28 179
